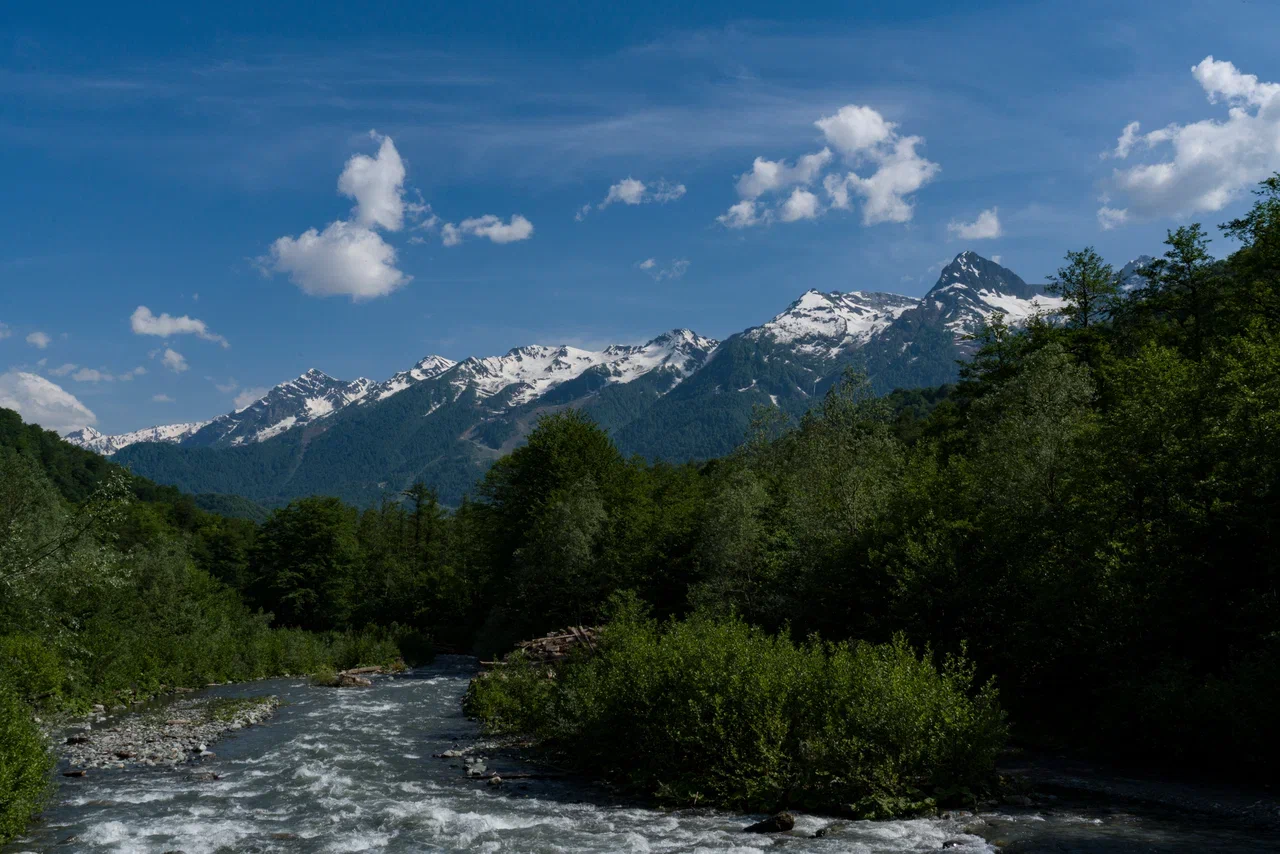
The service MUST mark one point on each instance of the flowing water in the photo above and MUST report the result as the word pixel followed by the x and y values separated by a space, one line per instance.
pixel 352 770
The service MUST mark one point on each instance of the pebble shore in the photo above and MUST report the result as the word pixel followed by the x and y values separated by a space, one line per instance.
pixel 181 732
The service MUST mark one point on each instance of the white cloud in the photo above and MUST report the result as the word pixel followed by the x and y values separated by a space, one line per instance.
pixel 673 270
pixel 490 226
pixel 161 398
pixel 63 370
pixel 900 171
pixel 174 361
pixel 767 176
pixel 377 185
pixel 743 215
pixel 1212 161
pixel 143 322
pixel 1125 143
pixel 5 332
pixel 226 388
pixel 999 259
pixel 854 129
pixel 801 204
pixel 91 375
pixel 350 258
pixel 1109 218
pixel 43 402
pixel 631 191
pixel 866 141
pixel 985 227
pixel 343 260
pixel 250 395
pixel 39 340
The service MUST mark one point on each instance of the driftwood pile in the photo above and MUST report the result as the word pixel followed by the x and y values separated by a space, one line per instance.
pixel 556 646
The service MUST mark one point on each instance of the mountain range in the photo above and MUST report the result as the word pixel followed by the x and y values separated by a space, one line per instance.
pixel 679 396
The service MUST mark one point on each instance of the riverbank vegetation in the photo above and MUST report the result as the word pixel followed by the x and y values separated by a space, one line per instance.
pixel 1091 517
pixel 714 711
pixel 104 600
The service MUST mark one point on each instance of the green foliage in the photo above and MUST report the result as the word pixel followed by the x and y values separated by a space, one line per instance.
pixel 713 711
pixel 25 764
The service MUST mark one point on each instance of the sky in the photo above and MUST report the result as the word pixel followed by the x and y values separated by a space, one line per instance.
pixel 204 202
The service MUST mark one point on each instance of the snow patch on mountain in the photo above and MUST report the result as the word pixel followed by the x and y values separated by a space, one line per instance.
pixel 97 442
pixel 538 368
pixel 827 324
pixel 426 369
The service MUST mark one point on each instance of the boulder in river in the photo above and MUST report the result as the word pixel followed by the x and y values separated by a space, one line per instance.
pixel 780 823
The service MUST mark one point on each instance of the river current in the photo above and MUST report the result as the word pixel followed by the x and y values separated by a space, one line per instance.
pixel 341 770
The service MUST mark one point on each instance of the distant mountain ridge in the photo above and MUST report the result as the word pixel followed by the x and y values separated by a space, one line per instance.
pixel 678 396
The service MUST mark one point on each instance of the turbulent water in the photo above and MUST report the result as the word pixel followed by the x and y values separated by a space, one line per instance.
pixel 352 770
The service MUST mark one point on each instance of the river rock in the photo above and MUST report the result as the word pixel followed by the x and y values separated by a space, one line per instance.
pixel 350 680
pixel 495 780
pixel 780 823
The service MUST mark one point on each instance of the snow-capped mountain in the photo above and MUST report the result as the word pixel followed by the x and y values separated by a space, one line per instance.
pixel 828 324
pixel 678 396
pixel 89 438
pixel 1131 276
pixel 970 289
pixel 526 373
pixel 428 368
pixel 311 396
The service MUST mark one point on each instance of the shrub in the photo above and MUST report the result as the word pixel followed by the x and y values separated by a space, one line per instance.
pixel 25 763
pixel 714 711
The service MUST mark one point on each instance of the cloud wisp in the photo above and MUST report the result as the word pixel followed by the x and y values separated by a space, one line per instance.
pixel 632 191
pixel 143 322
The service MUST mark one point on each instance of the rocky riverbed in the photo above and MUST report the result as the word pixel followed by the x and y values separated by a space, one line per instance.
pixel 175 734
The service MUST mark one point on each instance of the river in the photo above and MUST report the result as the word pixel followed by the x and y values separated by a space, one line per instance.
pixel 340 770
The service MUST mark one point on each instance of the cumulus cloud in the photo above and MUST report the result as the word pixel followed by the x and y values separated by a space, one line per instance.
pixel 985 227
pixel 883 167
pixel 43 402
pixel 250 396
pixel 490 226
pixel 658 272
pixel 855 129
pixel 161 398
pixel 377 185
pixel 631 191
pixel 63 370
pixel 343 260
pixel 743 215
pixel 39 340
pixel 143 322
pixel 350 258
pixel 1204 165
pixel 174 361
pixel 767 176
pixel 226 388
pixel 801 204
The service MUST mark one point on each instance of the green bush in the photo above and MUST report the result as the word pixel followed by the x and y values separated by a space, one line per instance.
pixel 25 763
pixel 33 670
pixel 714 711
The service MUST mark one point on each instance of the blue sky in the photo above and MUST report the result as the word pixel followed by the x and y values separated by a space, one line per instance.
pixel 177 161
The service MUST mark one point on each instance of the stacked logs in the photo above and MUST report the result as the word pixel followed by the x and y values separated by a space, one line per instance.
pixel 556 646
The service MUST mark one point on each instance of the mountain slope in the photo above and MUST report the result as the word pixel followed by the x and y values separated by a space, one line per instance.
pixel 679 396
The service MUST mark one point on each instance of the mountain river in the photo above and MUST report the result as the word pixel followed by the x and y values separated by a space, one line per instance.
pixel 338 770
